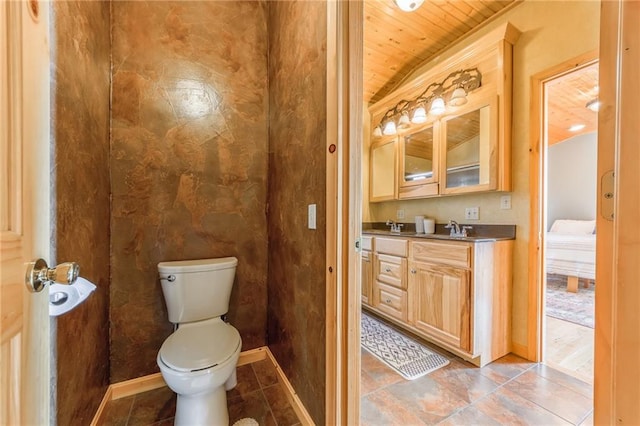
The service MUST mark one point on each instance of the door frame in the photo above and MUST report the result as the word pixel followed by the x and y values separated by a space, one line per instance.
pixel 537 197
pixel 615 390
pixel 344 192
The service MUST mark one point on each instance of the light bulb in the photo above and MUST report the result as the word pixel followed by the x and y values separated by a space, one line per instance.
pixel 458 97
pixel 377 132
pixel 419 115
pixel 437 106
pixel 389 128
pixel 404 122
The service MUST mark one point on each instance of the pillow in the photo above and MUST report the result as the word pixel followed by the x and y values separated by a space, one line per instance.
pixel 575 227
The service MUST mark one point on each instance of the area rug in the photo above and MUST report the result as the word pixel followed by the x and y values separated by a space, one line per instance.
pixel 577 308
pixel 407 357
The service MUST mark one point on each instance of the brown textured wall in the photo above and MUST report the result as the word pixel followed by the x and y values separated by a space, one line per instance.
pixel 297 174
pixel 80 128
pixel 189 163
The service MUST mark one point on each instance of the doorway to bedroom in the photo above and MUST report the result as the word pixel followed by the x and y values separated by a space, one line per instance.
pixel 568 222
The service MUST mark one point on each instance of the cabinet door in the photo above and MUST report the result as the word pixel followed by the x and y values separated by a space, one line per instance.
pixel 367 277
pixel 441 302
pixel 418 163
pixel 470 149
pixel 382 171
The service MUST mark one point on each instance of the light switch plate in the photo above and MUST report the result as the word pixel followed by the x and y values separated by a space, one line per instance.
pixel 312 216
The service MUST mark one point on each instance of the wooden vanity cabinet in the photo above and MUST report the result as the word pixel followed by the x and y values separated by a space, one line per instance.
pixel 461 296
pixel 456 294
pixel 389 289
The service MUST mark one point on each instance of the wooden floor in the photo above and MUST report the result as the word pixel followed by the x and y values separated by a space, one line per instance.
pixel 569 348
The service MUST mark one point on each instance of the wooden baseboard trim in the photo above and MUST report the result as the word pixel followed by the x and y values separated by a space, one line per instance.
pixel 252 355
pixel 136 386
pixel 292 396
pixel 97 418
pixel 520 350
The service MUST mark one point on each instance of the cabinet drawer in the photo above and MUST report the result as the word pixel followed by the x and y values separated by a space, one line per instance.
pixel 391 301
pixel 392 246
pixel 367 243
pixel 391 270
pixel 454 254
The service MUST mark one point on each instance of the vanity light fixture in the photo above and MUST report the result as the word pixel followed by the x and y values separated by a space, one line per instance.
pixel 436 98
pixel 593 105
pixel 408 5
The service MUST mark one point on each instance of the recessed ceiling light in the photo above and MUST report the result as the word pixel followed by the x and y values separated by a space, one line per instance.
pixel 576 127
pixel 593 105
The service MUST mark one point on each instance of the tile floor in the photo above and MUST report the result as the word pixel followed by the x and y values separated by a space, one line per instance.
pixel 257 395
pixel 509 391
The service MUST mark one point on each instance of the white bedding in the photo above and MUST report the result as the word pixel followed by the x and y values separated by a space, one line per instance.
pixel 571 255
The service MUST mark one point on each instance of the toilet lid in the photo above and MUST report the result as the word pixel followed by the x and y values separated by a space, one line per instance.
pixel 197 347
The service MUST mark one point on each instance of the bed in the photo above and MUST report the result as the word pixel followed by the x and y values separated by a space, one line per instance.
pixel 571 250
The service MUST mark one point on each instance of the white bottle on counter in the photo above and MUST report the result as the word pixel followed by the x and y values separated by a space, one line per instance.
pixel 419 224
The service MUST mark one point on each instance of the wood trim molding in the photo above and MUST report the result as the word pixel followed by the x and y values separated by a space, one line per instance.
pixel 292 396
pixel 155 381
pixel 520 350
pixel 536 203
pixel 344 135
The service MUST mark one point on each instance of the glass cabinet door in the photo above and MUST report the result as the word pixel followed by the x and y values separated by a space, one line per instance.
pixel 418 165
pixel 469 154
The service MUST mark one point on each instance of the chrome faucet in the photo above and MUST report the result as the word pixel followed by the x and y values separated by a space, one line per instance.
pixel 395 227
pixel 456 230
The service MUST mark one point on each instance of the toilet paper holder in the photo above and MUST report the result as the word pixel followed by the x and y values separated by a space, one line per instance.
pixel 38 274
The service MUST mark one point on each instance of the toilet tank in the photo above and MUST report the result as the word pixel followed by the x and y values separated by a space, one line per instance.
pixel 196 290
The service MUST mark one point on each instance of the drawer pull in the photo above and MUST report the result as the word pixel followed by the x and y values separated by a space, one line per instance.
pixel 413 271
pixel 388 301
pixel 387 269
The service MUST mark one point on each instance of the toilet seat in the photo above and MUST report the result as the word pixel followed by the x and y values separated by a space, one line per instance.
pixel 200 346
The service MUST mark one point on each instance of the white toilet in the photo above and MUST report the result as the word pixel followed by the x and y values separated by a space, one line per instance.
pixel 198 361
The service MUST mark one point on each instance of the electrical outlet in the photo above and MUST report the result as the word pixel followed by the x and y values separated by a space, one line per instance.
pixel 505 202
pixel 400 214
pixel 472 213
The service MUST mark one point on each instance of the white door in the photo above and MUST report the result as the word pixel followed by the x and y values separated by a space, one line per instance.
pixel 24 210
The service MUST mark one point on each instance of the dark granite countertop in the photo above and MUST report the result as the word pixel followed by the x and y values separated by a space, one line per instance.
pixel 479 232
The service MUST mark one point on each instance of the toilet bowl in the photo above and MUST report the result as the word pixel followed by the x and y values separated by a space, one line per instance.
pixel 198 361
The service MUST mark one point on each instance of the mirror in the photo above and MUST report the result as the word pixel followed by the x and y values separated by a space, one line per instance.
pixel 383 171
pixel 470 149
pixel 417 161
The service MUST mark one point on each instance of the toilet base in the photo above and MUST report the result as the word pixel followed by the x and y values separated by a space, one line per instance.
pixel 208 409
